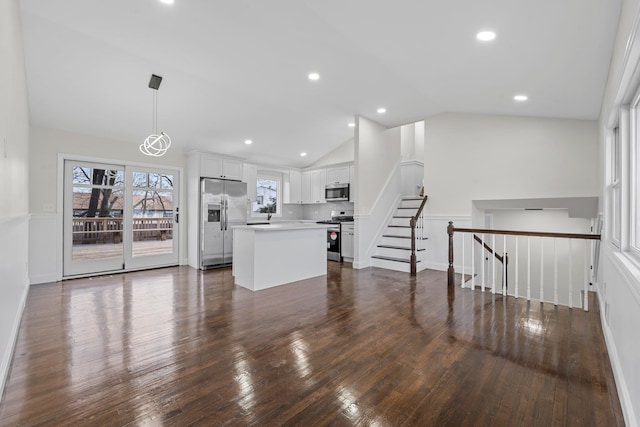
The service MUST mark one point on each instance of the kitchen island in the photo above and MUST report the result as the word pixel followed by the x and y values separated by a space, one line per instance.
pixel 275 254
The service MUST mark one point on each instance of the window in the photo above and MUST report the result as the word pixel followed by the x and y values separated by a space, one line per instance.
pixel 268 195
pixel 634 184
pixel 616 214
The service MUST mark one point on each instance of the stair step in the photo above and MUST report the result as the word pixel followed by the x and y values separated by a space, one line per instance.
pixel 395 236
pixel 412 198
pixel 398 247
pixel 390 258
pixel 402 207
pixel 399 226
pixel 401 216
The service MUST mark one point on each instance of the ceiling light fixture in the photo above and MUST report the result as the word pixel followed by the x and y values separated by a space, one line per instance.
pixel 381 110
pixel 314 76
pixel 248 141
pixel 155 145
pixel 303 154
pixel 166 1
pixel 352 125
pixel 486 36
pixel 521 98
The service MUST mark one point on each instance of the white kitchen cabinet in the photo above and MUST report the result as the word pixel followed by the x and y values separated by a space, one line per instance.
pixel 305 187
pixel 318 183
pixel 295 187
pixel 250 176
pixel 220 167
pixel 347 231
pixel 338 175
pixel 312 186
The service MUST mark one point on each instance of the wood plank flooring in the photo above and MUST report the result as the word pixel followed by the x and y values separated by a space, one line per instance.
pixel 369 347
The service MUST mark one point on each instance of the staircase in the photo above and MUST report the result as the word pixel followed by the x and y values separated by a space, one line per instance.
pixel 393 251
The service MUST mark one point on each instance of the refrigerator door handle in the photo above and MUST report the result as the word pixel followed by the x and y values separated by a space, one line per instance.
pixel 226 214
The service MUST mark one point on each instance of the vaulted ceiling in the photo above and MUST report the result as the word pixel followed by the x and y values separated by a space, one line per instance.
pixel 237 70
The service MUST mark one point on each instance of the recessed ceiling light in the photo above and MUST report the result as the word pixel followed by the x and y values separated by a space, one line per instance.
pixel 248 141
pixel 486 36
pixel 381 110
pixel 303 154
pixel 352 125
pixel 166 1
pixel 521 98
pixel 314 76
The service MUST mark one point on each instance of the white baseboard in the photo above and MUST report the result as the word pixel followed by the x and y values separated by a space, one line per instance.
pixel 8 355
pixel 42 278
pixel 621 385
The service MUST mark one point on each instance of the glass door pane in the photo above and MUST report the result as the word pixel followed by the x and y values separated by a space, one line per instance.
pixel 154 239
pixel 93 211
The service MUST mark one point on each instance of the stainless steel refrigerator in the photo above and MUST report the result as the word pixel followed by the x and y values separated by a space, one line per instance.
pixel 222 204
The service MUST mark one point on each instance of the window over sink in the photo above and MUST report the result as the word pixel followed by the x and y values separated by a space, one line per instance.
pixel 268 195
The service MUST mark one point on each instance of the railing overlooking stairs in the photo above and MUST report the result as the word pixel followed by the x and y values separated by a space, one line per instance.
pixel 547 267
pixel 403 237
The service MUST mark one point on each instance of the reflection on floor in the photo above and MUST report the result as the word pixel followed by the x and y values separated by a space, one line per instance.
pixel 178 346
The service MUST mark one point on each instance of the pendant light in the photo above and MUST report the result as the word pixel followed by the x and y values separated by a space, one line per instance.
pixel 155 145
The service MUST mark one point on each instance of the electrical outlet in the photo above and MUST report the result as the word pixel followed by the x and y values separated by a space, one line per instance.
pixel 48 207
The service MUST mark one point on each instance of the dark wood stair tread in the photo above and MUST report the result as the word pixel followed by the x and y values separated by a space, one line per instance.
pixel 402 237
pixel 390 258
pixel 398 247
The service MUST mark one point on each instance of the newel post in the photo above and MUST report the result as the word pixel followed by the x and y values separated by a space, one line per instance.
pixel 450 271
pixel 412 258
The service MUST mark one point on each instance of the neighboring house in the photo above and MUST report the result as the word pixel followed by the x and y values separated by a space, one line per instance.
pixel 466 156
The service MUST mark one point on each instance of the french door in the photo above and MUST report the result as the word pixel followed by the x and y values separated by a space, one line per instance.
pixel 118 217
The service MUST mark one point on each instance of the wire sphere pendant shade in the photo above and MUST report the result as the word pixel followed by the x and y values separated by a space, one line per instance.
pixel 155 145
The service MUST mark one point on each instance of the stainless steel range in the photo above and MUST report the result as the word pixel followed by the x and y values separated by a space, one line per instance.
pixel 334 240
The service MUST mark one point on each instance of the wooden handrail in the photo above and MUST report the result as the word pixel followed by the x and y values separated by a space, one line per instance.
pixel 451 230
pixel 527 233
pixel 487 247
pixel 412 223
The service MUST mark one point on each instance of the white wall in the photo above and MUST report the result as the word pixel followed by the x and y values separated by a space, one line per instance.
pixel 46 233
pixel 377 153
pixel 14 155
pixel 619 280
pixel 473 156
pixel 343 154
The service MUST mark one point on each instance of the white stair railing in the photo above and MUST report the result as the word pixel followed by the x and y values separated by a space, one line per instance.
pixel 554 267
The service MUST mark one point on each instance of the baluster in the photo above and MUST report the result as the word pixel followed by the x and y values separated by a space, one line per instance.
pixel 555 271
pixel 585 304
pixel 493 258
pixel 483 257
pixel 570 274
pixel 473 261
pixel 517 264
pixel 462 268
pixel 541 269
pixel 528 268
pixel 504 265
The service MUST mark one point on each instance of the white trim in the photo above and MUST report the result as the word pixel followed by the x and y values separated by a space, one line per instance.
pixel 626 73
pixel 628 270
pixel 383 189
pixel 411 162
pixel 62 157
pixel 8 354
pixel 378 234
pixel 621 384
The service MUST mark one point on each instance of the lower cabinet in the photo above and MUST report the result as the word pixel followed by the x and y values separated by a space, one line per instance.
pixel 346 240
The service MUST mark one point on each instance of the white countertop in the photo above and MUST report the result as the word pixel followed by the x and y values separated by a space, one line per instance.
pixel 280 226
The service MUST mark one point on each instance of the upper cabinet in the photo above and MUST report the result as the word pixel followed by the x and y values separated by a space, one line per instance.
pixel 338 175
pixel 313 184
pixel 292 186
pixel 220 167
pixel 250 176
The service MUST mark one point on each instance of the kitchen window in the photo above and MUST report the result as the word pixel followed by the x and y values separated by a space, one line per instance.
pixel 268 195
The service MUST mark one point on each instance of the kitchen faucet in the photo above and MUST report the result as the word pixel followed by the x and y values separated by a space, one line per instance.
pixel 269 216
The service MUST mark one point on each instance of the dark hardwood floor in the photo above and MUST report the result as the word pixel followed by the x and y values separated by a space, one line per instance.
pixel 367 347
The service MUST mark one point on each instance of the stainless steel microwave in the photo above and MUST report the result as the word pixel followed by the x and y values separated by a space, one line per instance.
pixel 336 193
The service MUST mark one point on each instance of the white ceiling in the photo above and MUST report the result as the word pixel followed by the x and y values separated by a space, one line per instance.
pixel 237 69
